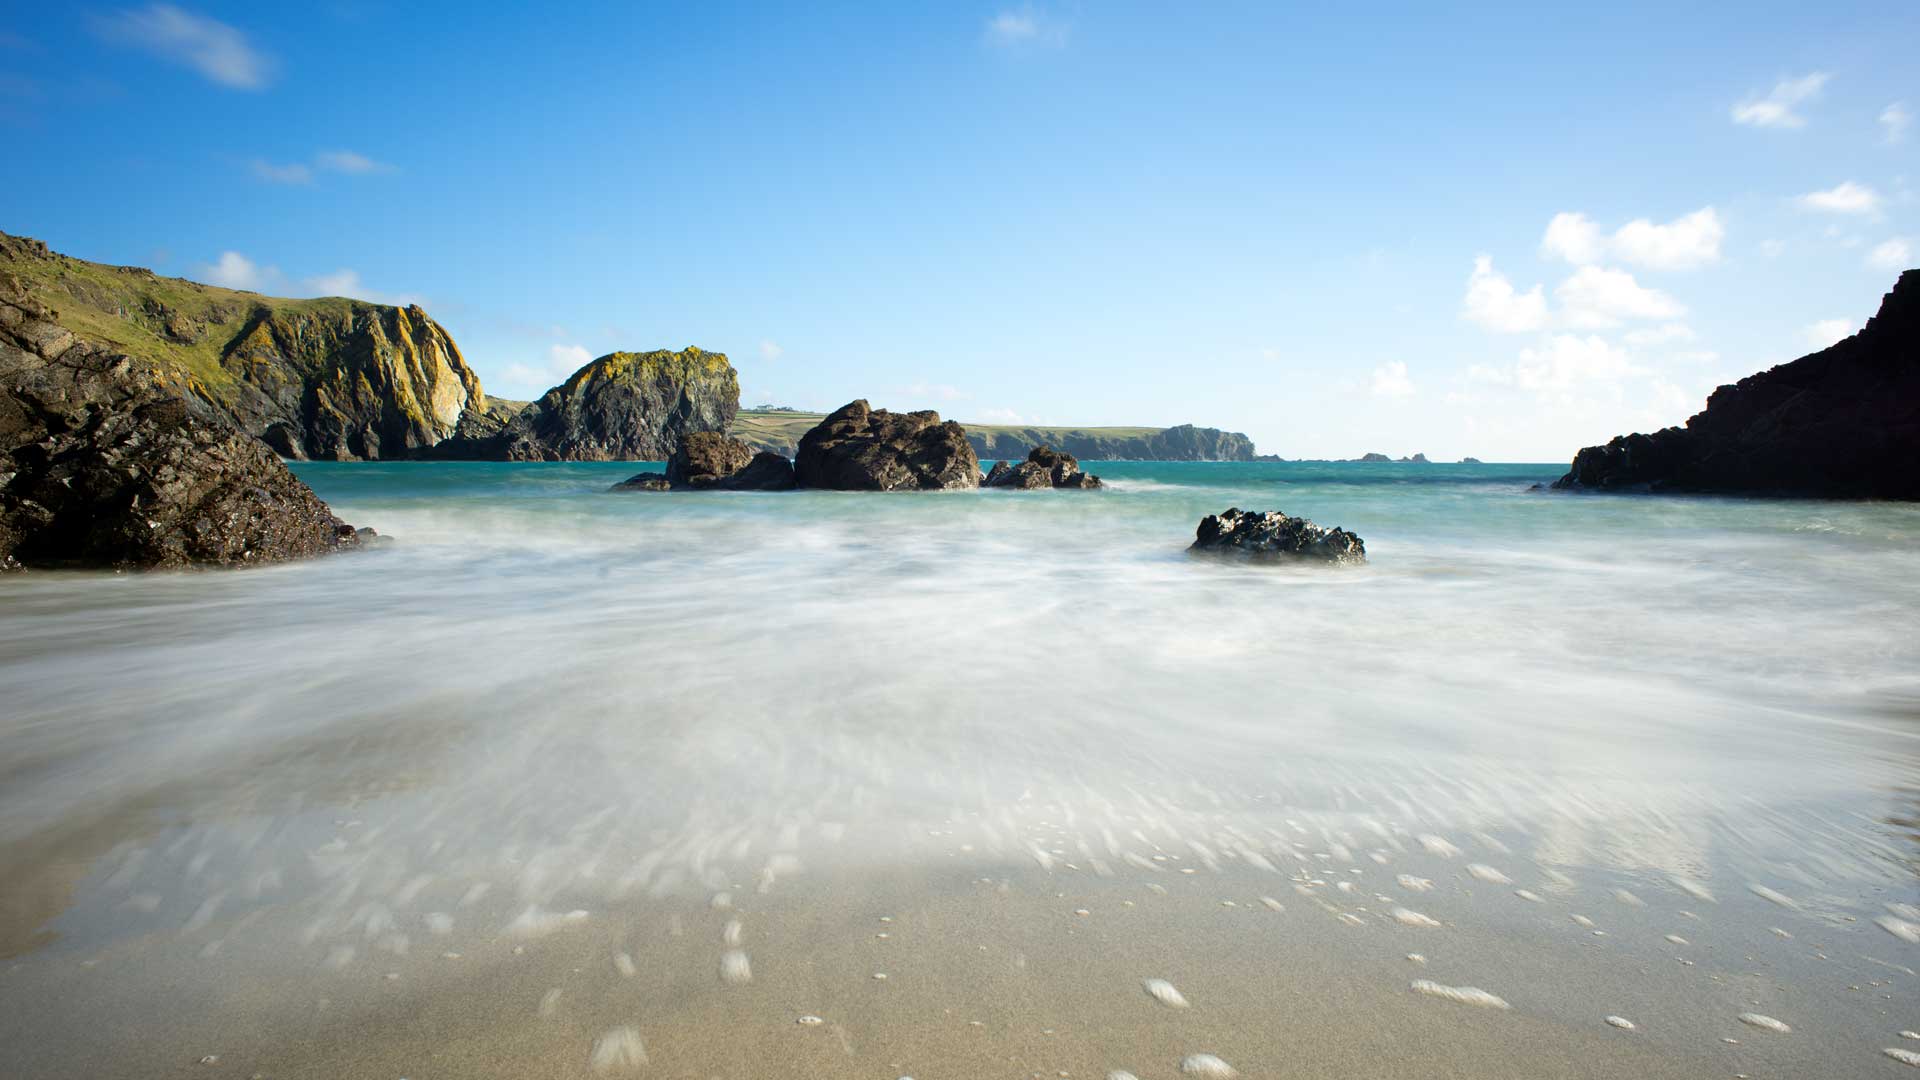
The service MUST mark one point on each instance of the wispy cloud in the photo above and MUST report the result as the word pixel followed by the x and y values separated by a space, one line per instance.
pixel 1776 108
pixel 346 162
pixel 1390 380
pixel 562 360
pixel 1685 243
pixel 1026 26
pixel 219 52
pixel 771 350
pixel 1894 254
pixel 1846 198
pixel 1596 298
pixel 1827 331
pixel 233 270
pixel 1894 122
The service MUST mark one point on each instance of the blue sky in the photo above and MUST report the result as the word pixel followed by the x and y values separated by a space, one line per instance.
pixel 1501 231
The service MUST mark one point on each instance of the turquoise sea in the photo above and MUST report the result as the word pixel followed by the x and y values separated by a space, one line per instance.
pixel 556 765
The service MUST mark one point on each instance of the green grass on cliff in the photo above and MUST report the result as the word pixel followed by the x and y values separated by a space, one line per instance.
pixel 129 309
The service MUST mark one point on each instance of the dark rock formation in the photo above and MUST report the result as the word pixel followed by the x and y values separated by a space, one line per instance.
pixel 646 481
pixel 1843 422
pixel 108 460
pixel 623 407
pixel 1373 457
pixel 1045 467
pixel 858 448
pixel 1182 443
pixel 1471 461
pixel 1417 459
pixel 326 378
pixel 478 434
pixel 1273 535
pixel 709 460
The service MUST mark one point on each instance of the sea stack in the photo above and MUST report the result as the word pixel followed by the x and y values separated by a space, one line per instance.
pixel 860 448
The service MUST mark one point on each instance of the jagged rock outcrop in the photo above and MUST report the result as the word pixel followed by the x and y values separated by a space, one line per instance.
pixel 1271 534
pixel 1843 422
pixel 707 460
pixel 1045 467
pixel 623 407
pixel 1374 458
pixel 327 378
pixel 108 460
pixel 1184 442
pixel 859 448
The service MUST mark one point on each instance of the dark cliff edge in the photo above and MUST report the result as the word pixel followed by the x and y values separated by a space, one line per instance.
pixel 328 378
pixel 1843 422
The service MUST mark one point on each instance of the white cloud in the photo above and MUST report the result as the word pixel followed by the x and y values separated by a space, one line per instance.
pixel 1847 198
pixel 1493 302
pixel 1596 298
pixel 349 162
pixel 235 271
pixel 1567 360
pixel 294 173
pixel 1000 416
pixel 338 283
pixel 209 46
pixel 1684 243
pixel 534 379
pixel 1894 121
pixel 1894 254
pixel 934 390
pixel 1660 335
pixel 1390 380
pixel 1574 237
pixel 1025 27
pixel 771 350
pixel 1827 331
pixel 1776 108
pixel 1681 244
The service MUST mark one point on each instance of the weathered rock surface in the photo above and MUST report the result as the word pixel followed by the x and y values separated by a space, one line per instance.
pixel 108 460
pixel 859 448
pixel 1045 467
pixel 1183 442
pixel 623 407
pixel 1273 535
pixel 712 461
pixel 1843 422
pixel 646 481
pixel 326 378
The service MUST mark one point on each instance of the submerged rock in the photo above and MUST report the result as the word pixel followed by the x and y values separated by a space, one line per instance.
pixel 622 407
pixel 1272 534
pixel 1843 422
pixel 646 481
pixel 859 448
pixel 107 460
pixel 710 460
pixel 1045 467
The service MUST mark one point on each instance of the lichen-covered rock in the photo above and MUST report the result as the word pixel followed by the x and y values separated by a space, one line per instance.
pixel 624 407
pixel 708 460
pixel 106 460
pixel 1045 467
pixel 859 448
pixel 1843 422
pixel 330 378
pixel 1271 534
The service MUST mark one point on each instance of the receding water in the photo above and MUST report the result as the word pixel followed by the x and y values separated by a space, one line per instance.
pixel 564 783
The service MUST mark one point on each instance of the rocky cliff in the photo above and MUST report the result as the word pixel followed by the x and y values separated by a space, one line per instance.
pixel 1842 422
pixel 327 378
pixel 111 460
pixel 623 407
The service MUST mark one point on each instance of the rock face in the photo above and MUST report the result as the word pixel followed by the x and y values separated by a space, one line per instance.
pixel 1843 422
pixel 1045 467
pixel 1181 443
pixel 707 460
pixel 327 378
pixel 107 460
pixel 1273 535
pixel 623 407
pixel 646 481
pixel 859 448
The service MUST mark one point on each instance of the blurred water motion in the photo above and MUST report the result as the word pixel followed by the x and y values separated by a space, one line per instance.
pixel 667 768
